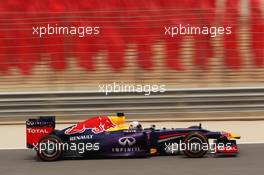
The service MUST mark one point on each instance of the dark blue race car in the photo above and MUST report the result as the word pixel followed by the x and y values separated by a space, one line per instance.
pixel 110 136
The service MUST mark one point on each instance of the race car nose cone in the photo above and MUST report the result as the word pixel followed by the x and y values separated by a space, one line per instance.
pixel 235 136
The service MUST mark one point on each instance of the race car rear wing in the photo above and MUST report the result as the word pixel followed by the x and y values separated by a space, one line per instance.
pixel 37 128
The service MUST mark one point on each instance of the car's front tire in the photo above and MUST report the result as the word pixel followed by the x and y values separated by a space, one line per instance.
pixel 49 148
pixel 195 145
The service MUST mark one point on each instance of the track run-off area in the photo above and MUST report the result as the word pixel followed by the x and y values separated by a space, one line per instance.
pixel 24 162
pixel 16 160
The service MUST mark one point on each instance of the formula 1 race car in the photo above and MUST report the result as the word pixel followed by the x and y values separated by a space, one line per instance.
pixel 109 136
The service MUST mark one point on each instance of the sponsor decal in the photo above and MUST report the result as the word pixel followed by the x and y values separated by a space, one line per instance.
pixel 170 138
pixel 82 137
pixel 38 123
pixel 127 145
pixel 96 125
pixel 125 149
pixel 127 141
pixel 37 131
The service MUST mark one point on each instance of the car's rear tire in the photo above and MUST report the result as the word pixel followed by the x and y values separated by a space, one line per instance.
pixel 50 148
pixel 195 145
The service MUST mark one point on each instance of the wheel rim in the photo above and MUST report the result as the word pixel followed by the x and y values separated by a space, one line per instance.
pixel 195 144
pixel 50 149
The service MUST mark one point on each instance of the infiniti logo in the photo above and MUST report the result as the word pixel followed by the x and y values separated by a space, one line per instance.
pixel 127 141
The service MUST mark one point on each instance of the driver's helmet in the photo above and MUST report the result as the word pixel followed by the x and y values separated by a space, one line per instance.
pixel 135 125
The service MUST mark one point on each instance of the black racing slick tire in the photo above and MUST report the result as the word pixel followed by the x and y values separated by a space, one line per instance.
pixel 50 148
pixel 196 145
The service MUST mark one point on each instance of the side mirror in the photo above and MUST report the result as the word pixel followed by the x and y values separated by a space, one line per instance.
pixel 200 125
pixel 120 114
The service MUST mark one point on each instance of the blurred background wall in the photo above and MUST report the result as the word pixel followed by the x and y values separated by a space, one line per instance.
pixel 132 46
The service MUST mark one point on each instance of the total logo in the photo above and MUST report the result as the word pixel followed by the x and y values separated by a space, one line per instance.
pixel 37 131
pixel 127 141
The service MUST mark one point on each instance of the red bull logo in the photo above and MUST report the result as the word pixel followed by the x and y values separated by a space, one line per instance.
pixel 96 124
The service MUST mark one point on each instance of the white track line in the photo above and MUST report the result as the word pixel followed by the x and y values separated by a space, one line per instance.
pixel 15 148
pixel 22 148
pixel 262 142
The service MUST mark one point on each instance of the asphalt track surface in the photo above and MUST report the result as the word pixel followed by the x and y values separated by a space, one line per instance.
pixel 249 162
